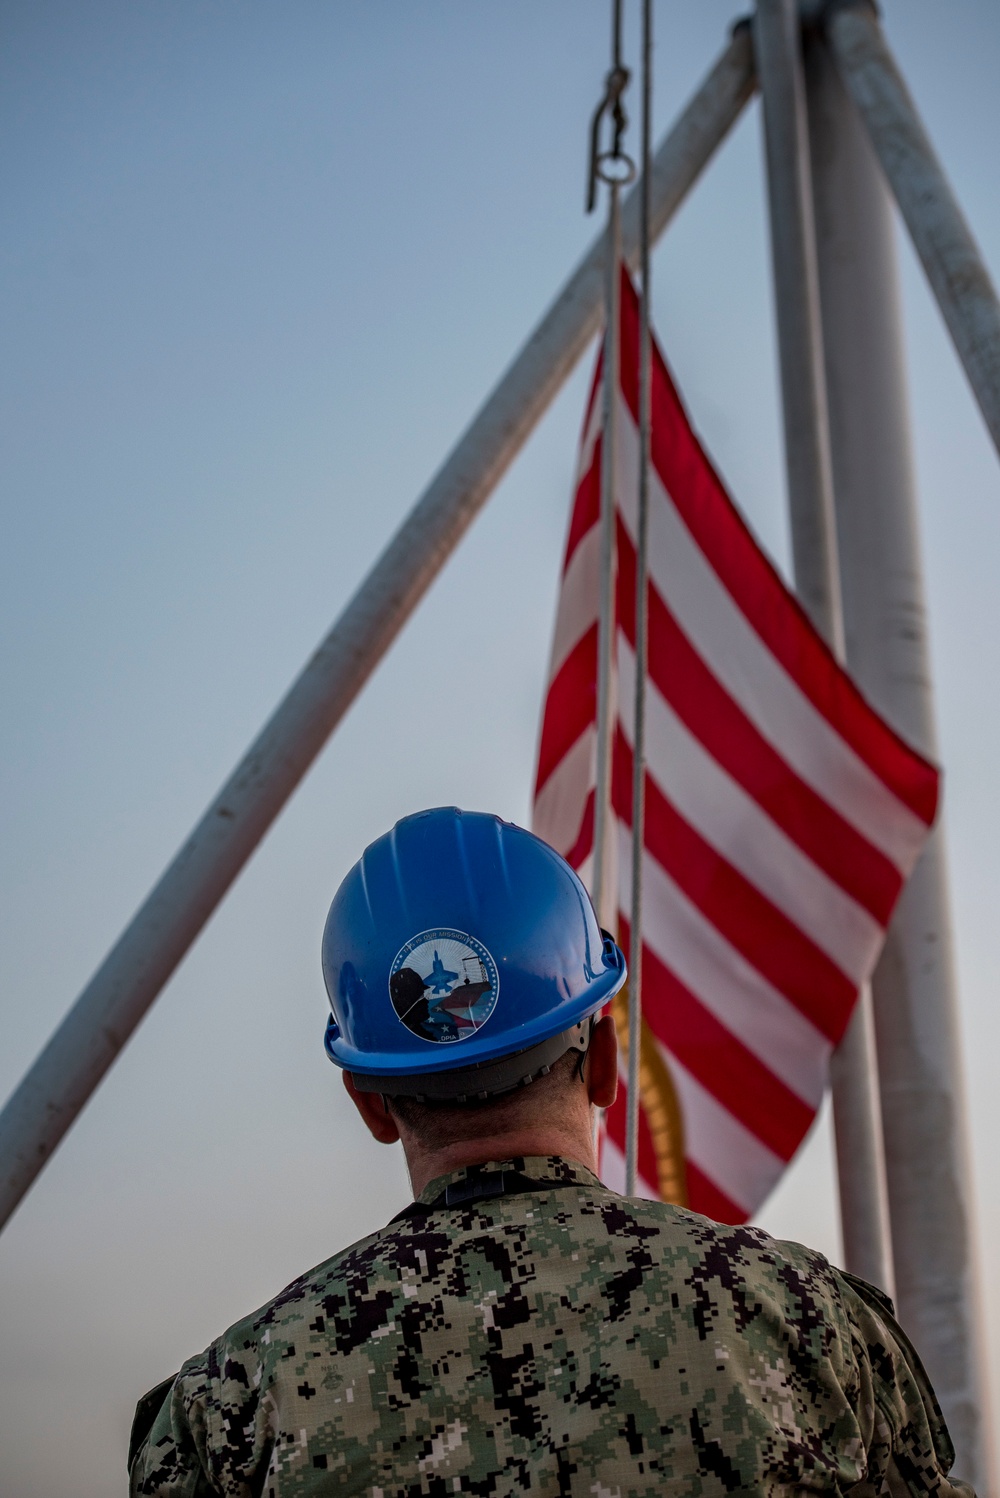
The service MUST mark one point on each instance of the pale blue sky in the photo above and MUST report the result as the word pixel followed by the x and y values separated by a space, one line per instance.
pixel 260 265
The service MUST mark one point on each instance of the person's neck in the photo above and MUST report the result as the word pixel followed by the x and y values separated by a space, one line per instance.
pixel 426 1165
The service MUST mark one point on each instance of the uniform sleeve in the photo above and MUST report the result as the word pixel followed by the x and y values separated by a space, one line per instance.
pixel 908 1446
pixel 168 1449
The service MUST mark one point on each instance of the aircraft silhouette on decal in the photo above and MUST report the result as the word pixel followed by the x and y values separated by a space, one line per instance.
pixel 440 979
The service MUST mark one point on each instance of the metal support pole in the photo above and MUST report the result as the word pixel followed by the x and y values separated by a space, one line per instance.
pixel 942 238
pixel 915 1004
pixel 615 168
pixel 814 542
pixel 796 294
pixel 857 1132
pixel 73 1063
pixel 603 882
pixel 641 624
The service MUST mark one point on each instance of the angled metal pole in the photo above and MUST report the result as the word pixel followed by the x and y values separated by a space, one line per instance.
pixel 943 240
pixel 920 1071
pixel 814 546
pixel 84 1046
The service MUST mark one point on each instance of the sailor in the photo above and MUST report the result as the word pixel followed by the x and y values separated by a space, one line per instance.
pixel 520 1328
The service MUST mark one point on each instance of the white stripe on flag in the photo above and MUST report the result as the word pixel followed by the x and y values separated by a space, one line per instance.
pixel 560 803
pixel 726 1152
pixel 578 600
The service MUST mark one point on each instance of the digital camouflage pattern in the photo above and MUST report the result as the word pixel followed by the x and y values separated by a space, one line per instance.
pixel 564 1341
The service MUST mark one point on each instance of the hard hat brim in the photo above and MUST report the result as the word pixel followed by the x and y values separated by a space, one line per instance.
pixel 482 1048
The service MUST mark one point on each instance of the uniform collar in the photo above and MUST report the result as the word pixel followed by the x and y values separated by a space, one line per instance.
pixel 539 1168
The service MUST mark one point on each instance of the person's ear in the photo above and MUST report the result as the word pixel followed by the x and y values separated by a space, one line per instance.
pixel 371 1105
pixel 601 1069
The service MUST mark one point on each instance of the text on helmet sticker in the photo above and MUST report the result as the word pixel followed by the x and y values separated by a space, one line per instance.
pixel 444 985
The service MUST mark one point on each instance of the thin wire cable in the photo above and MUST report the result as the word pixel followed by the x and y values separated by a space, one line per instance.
pixel 616 169
pixel 641 621
pixel 605 896
pixel 616 35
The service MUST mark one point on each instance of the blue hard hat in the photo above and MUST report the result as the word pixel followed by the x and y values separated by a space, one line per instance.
pixel 462 956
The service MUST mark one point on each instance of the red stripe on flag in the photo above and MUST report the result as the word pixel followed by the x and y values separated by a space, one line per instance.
pixel 701 500
pixel 722 1064
pixel 705 1197
pixel 768 940
pixel 586 506
pixel 721 726
pixel 585 837
pixel 571 705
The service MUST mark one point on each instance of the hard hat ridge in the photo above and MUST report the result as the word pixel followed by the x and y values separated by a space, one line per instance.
pixel 461 955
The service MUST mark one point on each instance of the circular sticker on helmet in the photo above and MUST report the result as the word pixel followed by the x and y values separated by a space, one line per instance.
pixel 444 985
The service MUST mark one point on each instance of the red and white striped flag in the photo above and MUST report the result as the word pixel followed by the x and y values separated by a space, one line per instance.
pixel 782 814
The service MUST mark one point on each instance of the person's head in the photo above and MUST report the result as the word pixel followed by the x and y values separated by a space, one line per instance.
pixel 553 1115
pixel 466 973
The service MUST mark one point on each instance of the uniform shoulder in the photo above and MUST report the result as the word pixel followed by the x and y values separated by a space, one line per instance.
pixel 739 1240
pixel 900 1386
pixel 174 1420
pixel 295 1299
pixel 741 1260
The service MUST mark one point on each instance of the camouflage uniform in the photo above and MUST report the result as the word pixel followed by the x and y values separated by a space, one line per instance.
pixel 561 1339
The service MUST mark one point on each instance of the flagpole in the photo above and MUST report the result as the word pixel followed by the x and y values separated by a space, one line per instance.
pixel 641 625
pixel 919 1060
pixel 614 168
pixel 815 557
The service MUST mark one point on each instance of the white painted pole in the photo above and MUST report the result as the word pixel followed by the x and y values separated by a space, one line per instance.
pixel 943 240
pixel 84 1046
pixel 641 625
pixel 920 1070
pixel 814 542
pixel 857 1133
pixel 857 1123
pixel 796 294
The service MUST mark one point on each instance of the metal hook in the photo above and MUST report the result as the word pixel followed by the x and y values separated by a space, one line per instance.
pixel 611 104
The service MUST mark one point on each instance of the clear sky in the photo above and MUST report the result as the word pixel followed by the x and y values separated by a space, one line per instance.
pixel 261 263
